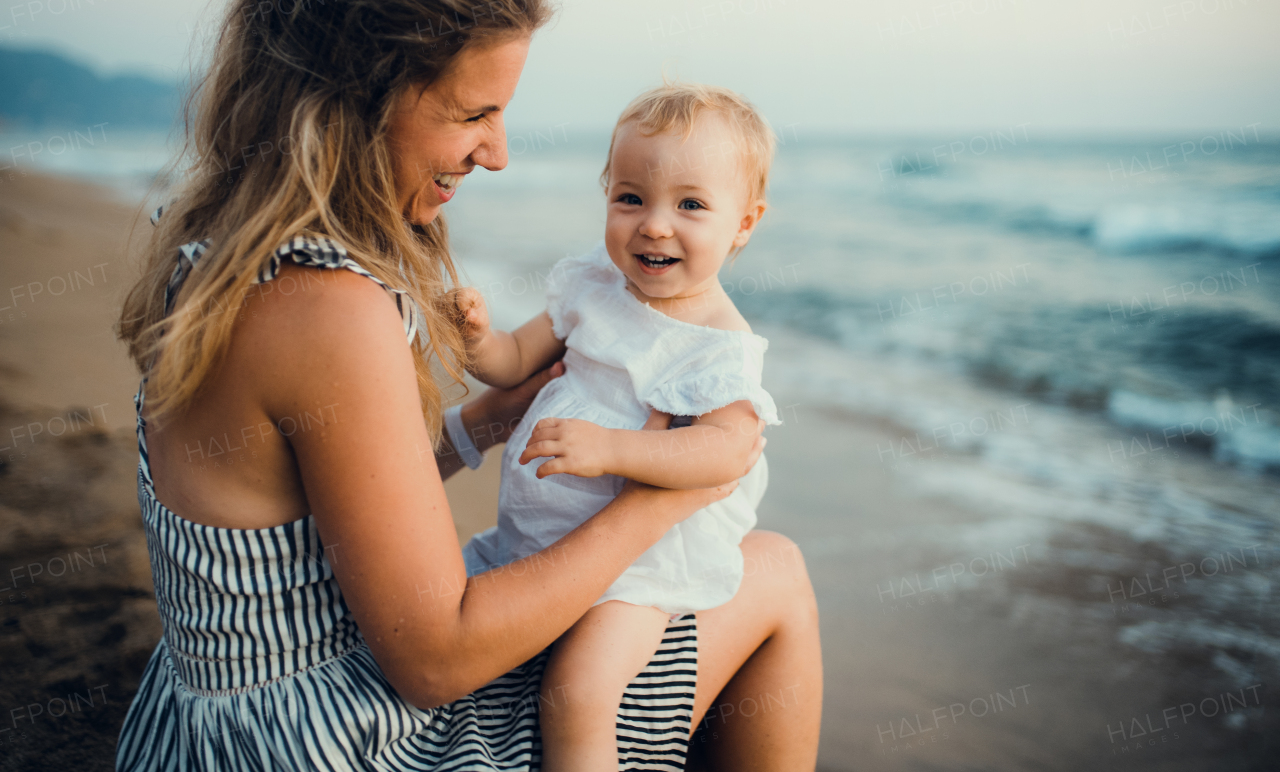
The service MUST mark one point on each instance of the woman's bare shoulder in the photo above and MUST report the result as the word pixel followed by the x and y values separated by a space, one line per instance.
pixel 316 294
pixel 309 321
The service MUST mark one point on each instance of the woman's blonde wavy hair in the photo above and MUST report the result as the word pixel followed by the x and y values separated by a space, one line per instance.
pixel 286 135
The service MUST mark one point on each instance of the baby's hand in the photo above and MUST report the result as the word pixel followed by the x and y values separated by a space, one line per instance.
pixel 575 447
pixel 473 314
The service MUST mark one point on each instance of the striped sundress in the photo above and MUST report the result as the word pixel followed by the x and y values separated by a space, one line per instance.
pixel 261 665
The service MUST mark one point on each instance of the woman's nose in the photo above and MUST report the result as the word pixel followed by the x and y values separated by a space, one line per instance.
pixel 492 152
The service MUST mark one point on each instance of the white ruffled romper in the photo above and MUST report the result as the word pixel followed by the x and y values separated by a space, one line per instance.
pixel 624 359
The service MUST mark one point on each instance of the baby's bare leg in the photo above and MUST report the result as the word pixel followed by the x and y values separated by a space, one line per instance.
pixel 589 669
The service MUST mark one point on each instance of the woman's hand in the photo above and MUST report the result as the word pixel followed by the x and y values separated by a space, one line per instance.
pixel 494 415
pixel 491 417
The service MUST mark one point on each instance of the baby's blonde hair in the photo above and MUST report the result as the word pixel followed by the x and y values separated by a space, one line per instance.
pixel 675 107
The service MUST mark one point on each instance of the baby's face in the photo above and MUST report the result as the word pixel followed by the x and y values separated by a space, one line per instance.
pixel 677 207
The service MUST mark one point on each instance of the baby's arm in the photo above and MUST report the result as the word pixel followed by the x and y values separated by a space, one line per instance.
pixel 504 359
pixel 711 452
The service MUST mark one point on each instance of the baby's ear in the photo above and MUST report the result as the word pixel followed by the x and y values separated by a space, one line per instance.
pixel 747 226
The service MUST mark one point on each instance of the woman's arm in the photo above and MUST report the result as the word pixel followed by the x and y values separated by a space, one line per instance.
pixel 376 494
pixel 491 417
pixel 714 450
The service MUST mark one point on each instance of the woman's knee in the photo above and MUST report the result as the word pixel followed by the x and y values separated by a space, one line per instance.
pixel 776 566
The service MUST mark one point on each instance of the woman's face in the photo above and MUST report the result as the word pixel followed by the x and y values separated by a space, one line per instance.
pixel 439 134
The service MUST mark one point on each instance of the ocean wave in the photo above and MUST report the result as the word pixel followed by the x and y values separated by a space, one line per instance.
pixel 1251 228
pixel 1158 637
pixel 1244 220
pixel 1205 378
pixel 1241 435
pixel 1036 463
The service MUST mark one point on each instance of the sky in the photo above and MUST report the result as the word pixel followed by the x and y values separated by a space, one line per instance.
pixel 1097 67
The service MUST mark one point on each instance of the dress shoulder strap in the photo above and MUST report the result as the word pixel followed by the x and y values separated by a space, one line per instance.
pixel 322 252
pixel 305 250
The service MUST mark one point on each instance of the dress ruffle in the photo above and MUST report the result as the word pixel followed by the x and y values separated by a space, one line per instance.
pixel 569 280
pixel 699 396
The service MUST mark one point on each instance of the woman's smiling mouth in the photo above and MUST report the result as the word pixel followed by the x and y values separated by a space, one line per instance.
pixel 655 264
pixel 446 184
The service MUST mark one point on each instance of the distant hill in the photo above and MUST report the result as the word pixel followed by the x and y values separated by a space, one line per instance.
pixel 44 89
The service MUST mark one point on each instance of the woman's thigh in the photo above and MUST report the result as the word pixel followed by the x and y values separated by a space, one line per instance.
pixel 759 697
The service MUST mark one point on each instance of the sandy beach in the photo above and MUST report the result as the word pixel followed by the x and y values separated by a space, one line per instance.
pixel 1004 651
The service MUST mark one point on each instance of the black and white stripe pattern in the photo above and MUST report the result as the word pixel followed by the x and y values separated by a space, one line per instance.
pixel 262 667
pixel 305 250
pixel 321 252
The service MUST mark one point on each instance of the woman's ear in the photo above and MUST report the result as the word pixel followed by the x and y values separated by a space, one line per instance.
pixel 749 222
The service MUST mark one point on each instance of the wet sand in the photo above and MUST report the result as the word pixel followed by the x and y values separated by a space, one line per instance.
pixel 1009 653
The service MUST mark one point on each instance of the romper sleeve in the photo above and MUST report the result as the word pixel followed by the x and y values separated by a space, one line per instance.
pixel 569 282
pixel 722 369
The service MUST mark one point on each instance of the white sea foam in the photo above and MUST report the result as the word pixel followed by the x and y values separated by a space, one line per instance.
pixel 1018 460
pixel 1244 435
pixel 1250 227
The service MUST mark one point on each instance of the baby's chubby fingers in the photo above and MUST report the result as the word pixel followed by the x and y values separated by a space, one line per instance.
pixel 467 298
pixel 574 445
pixel 540 449
pixel 546 429
pixel 472 311
pixel 554 466
pixel 544 440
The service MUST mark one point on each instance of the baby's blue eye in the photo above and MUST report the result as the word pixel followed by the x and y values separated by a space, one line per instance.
pixel 691 205
pixel 629 198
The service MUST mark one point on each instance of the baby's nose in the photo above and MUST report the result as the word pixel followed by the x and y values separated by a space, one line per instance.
pixel 655 227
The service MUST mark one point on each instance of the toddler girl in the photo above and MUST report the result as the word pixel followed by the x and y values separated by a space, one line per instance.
pixel 643 324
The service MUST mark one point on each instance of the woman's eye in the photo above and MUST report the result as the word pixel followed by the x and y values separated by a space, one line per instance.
pixel 629 198
pixel 691 205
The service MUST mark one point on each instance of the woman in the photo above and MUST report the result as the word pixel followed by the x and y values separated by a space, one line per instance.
pixel 316 609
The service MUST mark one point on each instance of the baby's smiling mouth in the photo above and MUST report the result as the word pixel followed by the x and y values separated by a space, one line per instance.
pixel 656 261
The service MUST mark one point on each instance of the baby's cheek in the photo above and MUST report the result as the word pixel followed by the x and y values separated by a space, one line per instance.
pixel 616 246
pixel 616 234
